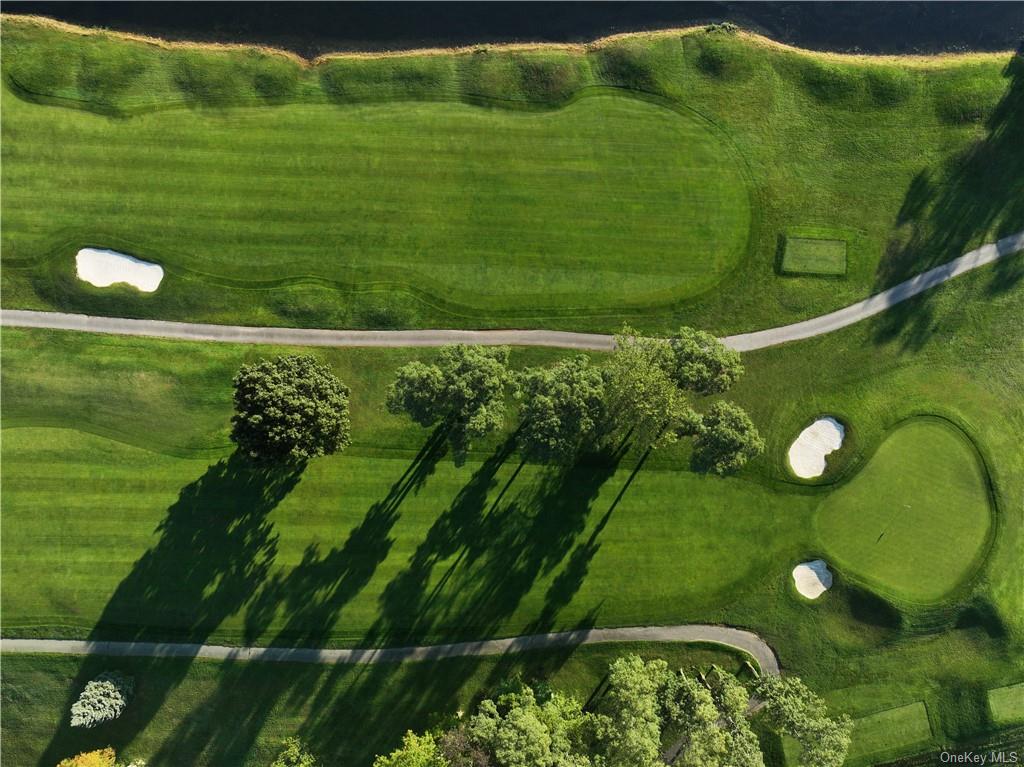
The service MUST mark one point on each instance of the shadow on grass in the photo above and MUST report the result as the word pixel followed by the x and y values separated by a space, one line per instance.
pixel 467 578
pixel 950 211
pixel 216 546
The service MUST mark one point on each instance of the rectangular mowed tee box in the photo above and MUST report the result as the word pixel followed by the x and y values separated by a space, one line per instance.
pixel 807 255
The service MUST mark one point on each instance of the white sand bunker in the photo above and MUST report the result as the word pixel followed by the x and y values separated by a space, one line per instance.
pixel 808 451
pixel 104 268
pixel 812 578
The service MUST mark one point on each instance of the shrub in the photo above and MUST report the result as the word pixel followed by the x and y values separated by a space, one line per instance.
pixel 103 757
pixel 103 699
pixel 724 27
pixel 295 754
pixel 291 408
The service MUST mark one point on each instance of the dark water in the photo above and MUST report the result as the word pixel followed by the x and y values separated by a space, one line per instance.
pixel 310 28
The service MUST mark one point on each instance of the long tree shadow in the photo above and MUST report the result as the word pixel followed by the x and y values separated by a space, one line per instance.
pixel 952 210
pixel 216 546
pixel 310 598
pixel 471 573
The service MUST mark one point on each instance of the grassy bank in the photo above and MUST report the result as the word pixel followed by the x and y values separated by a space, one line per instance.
pixel 649 178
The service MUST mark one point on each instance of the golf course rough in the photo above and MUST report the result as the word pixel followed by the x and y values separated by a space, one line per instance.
pixel 914 522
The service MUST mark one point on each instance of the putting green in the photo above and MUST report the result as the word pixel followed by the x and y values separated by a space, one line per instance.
pixel 608 201
pixel 914 521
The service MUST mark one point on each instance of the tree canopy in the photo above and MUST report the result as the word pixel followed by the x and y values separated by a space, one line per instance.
pixel 701 363
pixel 795 710
pixel 563 408
pixel 290 408
pixel 642 399
pixel 415 751
pixel 726 440
pixel 464 390
pixel 645 713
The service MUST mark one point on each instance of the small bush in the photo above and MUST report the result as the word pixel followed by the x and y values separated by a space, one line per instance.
pixel 295 754
pixel 103 700
pixel 829 83
pixel 889 87
pixel 725 28
pixel 103 757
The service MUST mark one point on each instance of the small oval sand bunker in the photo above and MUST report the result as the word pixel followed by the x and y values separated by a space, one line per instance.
pixel 808 451
pixel 813 578
pixel 104 268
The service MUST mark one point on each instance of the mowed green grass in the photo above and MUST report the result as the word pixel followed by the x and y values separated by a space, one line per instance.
pixel 211 714
pixel 647 179
pixel 890 731
pixel 914 521
pixel 1007 704
pixel 607 202
pixel 105 538
pixel 804 255
pixel 174 398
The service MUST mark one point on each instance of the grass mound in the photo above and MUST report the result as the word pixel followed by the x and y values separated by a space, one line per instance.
pixel 914 521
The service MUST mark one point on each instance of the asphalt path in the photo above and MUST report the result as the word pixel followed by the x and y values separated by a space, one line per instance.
pixel 196 331
pixel 738 639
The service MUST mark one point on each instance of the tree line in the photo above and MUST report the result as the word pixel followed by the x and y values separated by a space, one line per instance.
pixel 646 715
pixel 294 408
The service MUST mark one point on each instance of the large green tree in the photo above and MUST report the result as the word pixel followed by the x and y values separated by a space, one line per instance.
pixel 562 410
pixel 464 390
pixel 290 408
pixel 726 439
pixel 642 399
pixel 518 731
pixel 795 710
pixel 701 363
pixel 632 731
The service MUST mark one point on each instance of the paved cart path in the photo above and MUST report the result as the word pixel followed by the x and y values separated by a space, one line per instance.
pixel 739 639
pixel 195 331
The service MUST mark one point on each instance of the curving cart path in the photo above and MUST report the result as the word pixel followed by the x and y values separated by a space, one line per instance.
pixel 739 639
pixel 761 339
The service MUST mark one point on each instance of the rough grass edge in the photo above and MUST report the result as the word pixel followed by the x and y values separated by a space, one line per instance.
pixel 916 60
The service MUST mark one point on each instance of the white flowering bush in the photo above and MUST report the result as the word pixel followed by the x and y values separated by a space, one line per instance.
pixel 103 699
